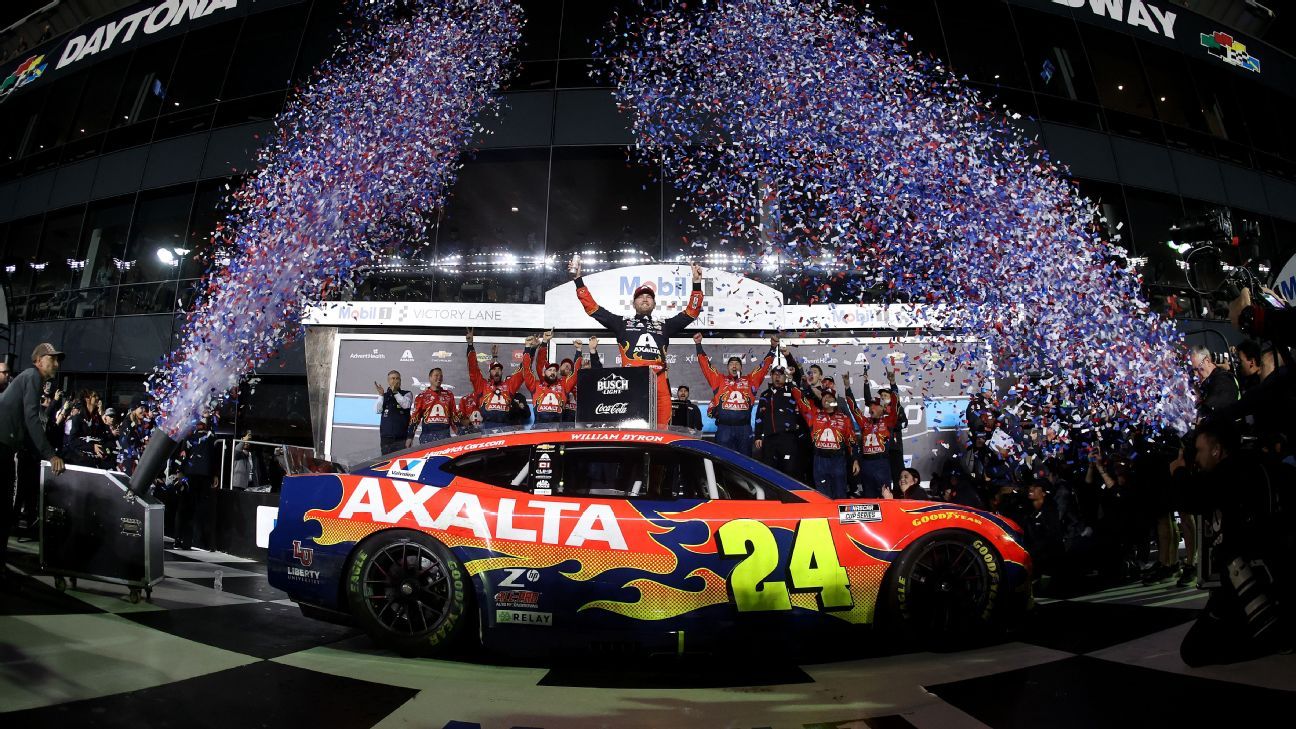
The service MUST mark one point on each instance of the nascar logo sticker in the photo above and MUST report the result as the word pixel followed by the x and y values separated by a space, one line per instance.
pixel 407 469
pixel 858 513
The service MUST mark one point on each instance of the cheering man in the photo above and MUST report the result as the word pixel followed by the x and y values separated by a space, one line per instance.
pixel 495 396
pixel 643 340
pixel 735 394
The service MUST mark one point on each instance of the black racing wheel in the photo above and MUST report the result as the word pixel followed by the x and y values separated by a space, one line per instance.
pixel 945 588
pixel 409 593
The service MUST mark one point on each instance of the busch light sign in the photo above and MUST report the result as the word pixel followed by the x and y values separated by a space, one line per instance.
pixel 616 395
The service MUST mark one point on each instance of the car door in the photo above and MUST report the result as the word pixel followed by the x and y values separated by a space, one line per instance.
pixel 750 554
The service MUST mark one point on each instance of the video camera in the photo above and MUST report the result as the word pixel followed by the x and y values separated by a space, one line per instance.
pixel 1220 258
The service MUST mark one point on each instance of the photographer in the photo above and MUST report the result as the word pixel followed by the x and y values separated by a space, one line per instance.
pixel 1252 547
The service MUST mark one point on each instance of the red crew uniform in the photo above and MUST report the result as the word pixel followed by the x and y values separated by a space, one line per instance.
pixel 433 414
pixel 643 340
pixel 834 446
pixel 494 400
pixel 550 400
pixel 875 467
pixel 467 405
pixel 732 403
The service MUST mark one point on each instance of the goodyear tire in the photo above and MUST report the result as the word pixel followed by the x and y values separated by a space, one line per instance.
pixel 944 588
pixel 409 593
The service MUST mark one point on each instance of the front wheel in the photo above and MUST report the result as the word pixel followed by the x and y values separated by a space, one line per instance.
pixel 945 587
pixel 409 593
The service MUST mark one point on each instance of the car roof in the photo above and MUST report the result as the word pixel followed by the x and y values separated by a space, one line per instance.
pixel 531 434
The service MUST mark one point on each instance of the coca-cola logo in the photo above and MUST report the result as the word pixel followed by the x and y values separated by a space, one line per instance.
pixel 619 408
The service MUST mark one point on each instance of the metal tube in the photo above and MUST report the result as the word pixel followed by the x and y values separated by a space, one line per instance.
pixel 152 462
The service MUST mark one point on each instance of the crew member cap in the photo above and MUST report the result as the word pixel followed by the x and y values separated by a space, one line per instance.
pixel 45 348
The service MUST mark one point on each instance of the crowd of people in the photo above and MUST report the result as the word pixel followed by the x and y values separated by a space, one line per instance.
pixel 1095 503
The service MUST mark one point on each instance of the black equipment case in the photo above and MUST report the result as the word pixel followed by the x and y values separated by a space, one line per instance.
pixel 95 527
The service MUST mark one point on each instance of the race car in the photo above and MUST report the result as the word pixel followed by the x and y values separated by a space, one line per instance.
pixel 544 540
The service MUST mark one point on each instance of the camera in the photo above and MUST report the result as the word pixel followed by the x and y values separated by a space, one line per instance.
pixel 1218 256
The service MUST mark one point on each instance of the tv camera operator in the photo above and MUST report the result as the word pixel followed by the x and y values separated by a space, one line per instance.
pixel 1243 497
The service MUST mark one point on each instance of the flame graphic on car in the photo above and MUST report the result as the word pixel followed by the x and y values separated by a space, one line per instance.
pixel 659 601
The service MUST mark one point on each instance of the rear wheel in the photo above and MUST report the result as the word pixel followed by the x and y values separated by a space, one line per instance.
pixel 945 587
pixel 409 593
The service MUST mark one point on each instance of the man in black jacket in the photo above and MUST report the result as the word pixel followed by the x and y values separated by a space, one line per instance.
pixel 779 426
pixel 21 430
pixel 393 408
pixel 1218 388
pixel 1251 543
pixel 684 412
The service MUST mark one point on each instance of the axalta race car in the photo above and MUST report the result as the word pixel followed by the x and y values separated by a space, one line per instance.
pixel 564 540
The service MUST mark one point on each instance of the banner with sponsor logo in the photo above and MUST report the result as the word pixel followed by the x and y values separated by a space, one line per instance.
pixel 426 314
pixel 126 30
pixel 1171 24
pixel 361 360
pixel 616 395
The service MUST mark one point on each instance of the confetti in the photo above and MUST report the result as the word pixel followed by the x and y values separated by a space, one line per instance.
pixel 810 130
pixel 359 157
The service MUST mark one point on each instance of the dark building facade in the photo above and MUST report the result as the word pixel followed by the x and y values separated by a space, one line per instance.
pixel 115 155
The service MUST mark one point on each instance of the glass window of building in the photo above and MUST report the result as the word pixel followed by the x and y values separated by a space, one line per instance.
pixel 103 242
pixel 1110 215
pixel 604 207
pixel 584 21
pixel 540 31
pixel 210 207
pixel 158 244
pixel 17 118
pixel 1151 214
pixel 1055 58
pixel 1171 86
pixel 88 303
pixel 320 37
pixel 982 44
pixel 575 73
pixel 1116 71
pixel 492 233
pixel 157 297
pixel 144 91
pixel 57 257
pixel 262 107
pixel 94 114
pixel 55 118
pixel 201 65
pixel 1221 107
pixel 918 19
pixel 1268 117
pixel 21 253
pixel 267 48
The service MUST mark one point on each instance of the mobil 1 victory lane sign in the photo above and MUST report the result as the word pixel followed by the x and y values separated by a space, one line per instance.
pixel 615 395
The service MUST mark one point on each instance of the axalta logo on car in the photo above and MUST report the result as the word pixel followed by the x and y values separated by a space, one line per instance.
pixel 463 510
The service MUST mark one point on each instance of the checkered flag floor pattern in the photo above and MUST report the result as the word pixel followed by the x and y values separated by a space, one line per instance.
pixel 243 656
